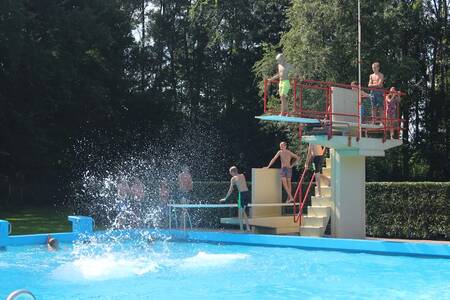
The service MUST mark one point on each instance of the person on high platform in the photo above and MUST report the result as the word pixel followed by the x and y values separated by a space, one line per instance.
pixel 376 80
pixel 392 102
pixel 288 160
pixel 284 85
pixel 240 182
pixel 315 155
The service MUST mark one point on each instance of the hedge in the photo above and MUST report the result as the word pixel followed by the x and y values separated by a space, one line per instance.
pixel 419 210
pixel 394 210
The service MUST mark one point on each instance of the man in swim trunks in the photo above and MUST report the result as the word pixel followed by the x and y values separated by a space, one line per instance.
pixel 185 185
pixel 288 159
pixel 284 85
pixel 244 200
pixel 315 154
pixel 376 80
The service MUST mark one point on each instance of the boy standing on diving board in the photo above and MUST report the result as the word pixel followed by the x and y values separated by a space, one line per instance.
pixel 284 85
pixel 240 182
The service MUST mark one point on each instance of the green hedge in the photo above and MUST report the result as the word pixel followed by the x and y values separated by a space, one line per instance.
pixel 419 210
pixel 394 210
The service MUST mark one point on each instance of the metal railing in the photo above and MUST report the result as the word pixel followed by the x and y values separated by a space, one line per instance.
pixel 301 198
pixel 324 113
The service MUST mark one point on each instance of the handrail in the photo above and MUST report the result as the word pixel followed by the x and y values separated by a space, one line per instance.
pixel 302 200
pixel 17 293
pixel 298 192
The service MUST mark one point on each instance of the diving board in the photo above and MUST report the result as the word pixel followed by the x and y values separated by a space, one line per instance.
pixel 229 205
pixel 289 119
pixel 202 205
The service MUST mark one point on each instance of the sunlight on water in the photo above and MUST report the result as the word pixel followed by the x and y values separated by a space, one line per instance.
pixel 203 259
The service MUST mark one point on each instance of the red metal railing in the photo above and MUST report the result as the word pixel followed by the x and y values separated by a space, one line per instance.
pixel 301 198
pixel 326 114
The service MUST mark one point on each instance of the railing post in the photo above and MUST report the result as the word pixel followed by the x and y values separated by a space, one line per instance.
pixel 5 230
pixel 81 224
pixel 265 95
pixel 295 96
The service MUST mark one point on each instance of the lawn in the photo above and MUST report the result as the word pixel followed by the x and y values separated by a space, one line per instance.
pixel 37 220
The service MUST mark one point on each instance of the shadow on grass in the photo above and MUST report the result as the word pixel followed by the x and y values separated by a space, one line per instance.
pixel 37 220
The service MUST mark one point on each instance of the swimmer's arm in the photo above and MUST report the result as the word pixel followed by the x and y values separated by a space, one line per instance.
pixel 274 77
pixel 296 158
pixel 273 159
pixel 230 190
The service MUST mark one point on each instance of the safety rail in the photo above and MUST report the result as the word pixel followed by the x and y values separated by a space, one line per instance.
pixel 325 114
pixel 301 200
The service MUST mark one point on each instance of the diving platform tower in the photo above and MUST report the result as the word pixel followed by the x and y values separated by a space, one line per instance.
pixel 333 120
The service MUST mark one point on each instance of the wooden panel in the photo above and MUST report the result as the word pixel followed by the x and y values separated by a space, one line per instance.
pixel 266 188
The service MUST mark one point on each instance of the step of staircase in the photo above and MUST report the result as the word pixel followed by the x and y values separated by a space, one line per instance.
pixel 314 221
pixel 326 190
pixel 319 211
pixel 328 162
pixel 321 201
pixel 312 230
pixel 326 172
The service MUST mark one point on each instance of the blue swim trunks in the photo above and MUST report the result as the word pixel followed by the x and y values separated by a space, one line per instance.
pixel 286 172
pixel 377 99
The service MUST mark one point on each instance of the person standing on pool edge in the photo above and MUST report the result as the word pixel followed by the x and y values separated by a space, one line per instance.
pixel 185 185
pixel 240 182
pixel 286 158
pixel 284 84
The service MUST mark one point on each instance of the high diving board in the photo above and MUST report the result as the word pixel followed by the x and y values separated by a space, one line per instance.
pixel 278 118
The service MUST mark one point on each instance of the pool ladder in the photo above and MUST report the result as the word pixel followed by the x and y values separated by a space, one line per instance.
pixel 18 293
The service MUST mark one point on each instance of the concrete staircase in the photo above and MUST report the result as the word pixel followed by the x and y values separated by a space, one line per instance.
pixel 315 221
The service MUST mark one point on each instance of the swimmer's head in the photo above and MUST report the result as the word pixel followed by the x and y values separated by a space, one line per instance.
pixel 52 243
pixel 283 145
pixel 233 171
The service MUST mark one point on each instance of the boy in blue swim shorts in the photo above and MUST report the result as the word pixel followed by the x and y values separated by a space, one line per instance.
pixel 376 80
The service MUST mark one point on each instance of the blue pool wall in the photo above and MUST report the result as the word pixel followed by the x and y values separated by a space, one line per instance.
pixel 81 225
pixel 84 226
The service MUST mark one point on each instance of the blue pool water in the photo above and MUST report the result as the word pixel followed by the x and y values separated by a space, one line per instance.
pixel 172 270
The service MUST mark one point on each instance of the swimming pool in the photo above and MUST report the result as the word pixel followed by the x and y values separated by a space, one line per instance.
pixel 135 268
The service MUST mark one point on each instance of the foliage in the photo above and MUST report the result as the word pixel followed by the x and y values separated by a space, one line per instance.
pixel 408 210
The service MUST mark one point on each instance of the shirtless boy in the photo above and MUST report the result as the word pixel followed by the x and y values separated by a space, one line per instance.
pixel 284 85
pixel 185 185
pixel 240 182
pixel 286 157
pixel 376 80
pixel 315 154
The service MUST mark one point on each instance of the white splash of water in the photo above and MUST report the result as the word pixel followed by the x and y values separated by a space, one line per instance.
pixel 105 267
pixel 203 259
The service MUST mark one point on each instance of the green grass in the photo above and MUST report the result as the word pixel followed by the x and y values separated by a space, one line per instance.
pixel 37 220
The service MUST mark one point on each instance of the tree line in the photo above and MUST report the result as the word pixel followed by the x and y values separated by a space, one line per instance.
pixel 83 79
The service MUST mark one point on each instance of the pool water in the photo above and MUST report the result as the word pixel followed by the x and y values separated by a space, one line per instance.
pixel 175 270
